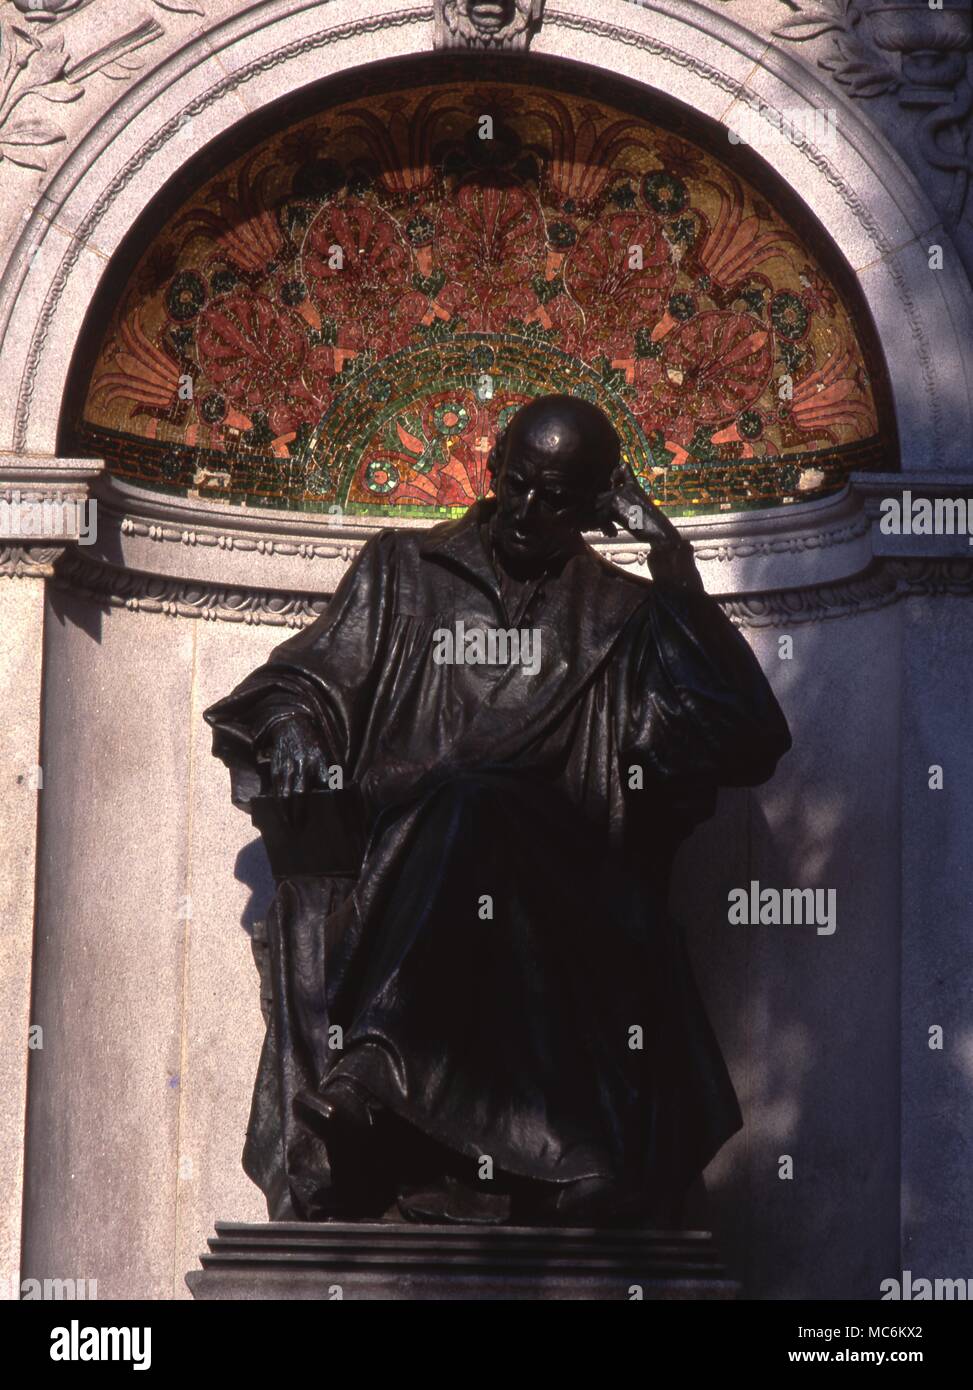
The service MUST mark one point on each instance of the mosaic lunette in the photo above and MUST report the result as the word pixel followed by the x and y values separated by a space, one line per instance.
pixel 361 302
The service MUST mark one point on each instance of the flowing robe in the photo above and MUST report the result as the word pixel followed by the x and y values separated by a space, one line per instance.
pixel 504 972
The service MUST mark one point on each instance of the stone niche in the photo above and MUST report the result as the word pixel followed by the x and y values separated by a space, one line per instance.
pixel 180 338
pixel 346 308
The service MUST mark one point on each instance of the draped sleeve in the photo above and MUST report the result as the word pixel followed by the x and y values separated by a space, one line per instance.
pixel 692 703
pixel 327 672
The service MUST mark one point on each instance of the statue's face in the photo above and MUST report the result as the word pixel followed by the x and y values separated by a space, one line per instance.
pixel 544 492
pixel 489 16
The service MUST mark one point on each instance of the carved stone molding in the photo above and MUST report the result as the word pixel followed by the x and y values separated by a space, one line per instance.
pixel 201 557
pixel 201 540
pixel 486 24
pixel 648 43
pixel 49 472
pixel 248 545
pixel 28 561
pixel 41 68
pixel 621 553
pixel 43 507
pixel 882 584
pixel 176 598
pixel 925 578
pixel 744 547
pixel 873 589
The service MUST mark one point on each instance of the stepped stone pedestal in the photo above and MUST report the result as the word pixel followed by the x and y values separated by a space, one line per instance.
pixel 398 1261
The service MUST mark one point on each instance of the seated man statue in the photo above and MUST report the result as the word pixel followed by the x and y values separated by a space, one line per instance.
pixel 496 1021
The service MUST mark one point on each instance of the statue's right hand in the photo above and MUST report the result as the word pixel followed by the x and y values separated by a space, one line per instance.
pixel 298 760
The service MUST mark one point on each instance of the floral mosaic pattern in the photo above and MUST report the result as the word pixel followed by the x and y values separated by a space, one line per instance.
pixel 350 312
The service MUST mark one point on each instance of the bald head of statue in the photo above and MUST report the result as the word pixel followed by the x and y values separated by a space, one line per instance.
pixel 549 465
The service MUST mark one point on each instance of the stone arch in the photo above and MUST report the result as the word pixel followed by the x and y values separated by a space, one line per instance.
pixel 861 191
pixel 466 254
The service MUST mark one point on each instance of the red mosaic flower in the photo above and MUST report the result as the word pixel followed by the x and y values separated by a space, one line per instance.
pixel 257 353
pixel 491 238
pixel 721 361
pixel 736 245
pixel 618 288
pixel 828 397
pixel 369 283
pixel 586 149
pixel 243 230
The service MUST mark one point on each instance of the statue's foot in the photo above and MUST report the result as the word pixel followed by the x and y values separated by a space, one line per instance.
pixel 452 1201
pixel 347 1120
pixel 585 1202
pixel 339 1106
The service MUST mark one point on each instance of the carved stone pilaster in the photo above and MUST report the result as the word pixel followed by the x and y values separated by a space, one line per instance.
pixel 44 508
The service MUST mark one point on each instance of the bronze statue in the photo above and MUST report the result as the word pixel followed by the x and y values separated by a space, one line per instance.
pixel 496 1019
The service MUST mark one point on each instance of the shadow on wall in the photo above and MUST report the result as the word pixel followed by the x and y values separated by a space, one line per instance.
pixel 252 869
pixel 806 1198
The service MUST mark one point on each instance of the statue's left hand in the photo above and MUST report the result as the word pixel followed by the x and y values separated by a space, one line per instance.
pixel 298 759
pixel 626 504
